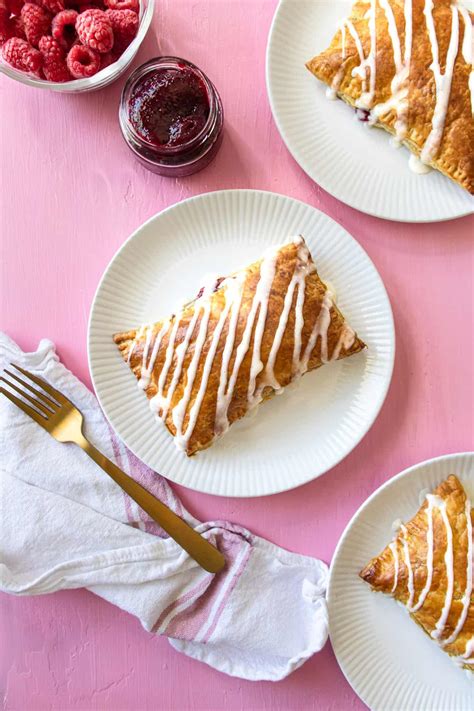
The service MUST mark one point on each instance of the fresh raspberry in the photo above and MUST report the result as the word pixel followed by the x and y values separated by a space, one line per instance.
pixel 82 61
pixel 21 55
pixel 51 50
pixel 63 28
pixel 36 21
pixel 53 6
pixel 95 31
pixel 125 27
pixel 58 73
pixel 54 60
pixel 123 5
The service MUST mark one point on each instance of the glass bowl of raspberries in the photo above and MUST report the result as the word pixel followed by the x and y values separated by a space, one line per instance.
pixel 71 46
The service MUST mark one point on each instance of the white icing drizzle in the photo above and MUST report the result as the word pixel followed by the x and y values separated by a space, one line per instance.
pixel 298 281
pixel 346 339
pixel 393 548
pixel 233 295
pixel 422 496
pixel 399 95
pixel 130 352
pixel 360 50
pixel 331 91
pixel 393 32
pixel 179 411
pixel 461 661
pixel 299 323
pixel 468 652
pixel 225 394
pixel 148 337
pixel 320 329
pixel 202 304
pixel 269 376
pixel 366 99
pixel 449 562
pixel 267 271
pixel 223 398
pixel 226 388
pixel 467 49
pixel 417 166
pixel 442 80
pixel 185 412
pixel 429 553
pixel 399 87
pixel 437 502
pixel 401 123
pixel 159 401
pixel 260 302
pixel 466 600
pixel 406 558
pixel 146 371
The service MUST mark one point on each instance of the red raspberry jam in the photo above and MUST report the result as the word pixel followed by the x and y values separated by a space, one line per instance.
pixel 171 116
pixel 170 107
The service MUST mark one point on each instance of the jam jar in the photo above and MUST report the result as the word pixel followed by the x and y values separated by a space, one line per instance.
pixel 171 116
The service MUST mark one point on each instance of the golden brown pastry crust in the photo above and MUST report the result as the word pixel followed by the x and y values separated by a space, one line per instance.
pixel 132 344
pixel 455 156
pixel 381 572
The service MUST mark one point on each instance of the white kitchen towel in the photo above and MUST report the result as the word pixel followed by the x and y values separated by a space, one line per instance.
pixel 65 524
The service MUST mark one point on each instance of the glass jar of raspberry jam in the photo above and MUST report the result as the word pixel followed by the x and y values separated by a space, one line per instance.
pixel 171 116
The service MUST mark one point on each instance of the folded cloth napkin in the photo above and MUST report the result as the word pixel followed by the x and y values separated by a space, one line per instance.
pixel 65 524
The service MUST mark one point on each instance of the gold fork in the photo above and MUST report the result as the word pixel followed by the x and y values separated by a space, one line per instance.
pixel 58 416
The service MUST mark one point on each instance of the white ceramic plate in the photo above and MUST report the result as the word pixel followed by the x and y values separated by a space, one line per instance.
pixel 388 660
pixel 354 163
pixel 299 435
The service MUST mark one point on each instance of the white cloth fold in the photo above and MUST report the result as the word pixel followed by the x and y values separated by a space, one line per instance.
pixel 65 524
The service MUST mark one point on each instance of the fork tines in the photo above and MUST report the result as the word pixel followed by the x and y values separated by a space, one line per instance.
pixel 44 406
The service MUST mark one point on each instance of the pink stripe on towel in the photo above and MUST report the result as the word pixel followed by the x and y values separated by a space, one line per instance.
pixel 207 609
pixel 195 591
pixel 228 593
pixel 149 479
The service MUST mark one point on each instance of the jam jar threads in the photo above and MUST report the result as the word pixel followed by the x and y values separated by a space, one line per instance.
pixel 171 116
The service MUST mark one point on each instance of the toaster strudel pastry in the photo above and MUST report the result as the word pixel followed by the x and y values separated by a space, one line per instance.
pixel 242 339
pixel 428 567
pixel 407 66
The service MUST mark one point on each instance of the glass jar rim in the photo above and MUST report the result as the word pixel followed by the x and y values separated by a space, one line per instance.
pixel 138 75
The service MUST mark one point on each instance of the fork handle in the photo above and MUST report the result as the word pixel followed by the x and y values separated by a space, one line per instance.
pixel 193 543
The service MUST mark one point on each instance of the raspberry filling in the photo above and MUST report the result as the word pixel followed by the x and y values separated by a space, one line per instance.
pixel 216 286
pixel 170 107
pixel 363 115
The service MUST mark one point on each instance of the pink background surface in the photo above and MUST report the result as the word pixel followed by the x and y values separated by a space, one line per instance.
pixel 71 194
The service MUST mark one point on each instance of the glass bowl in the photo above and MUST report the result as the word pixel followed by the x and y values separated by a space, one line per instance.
pixel 98 81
